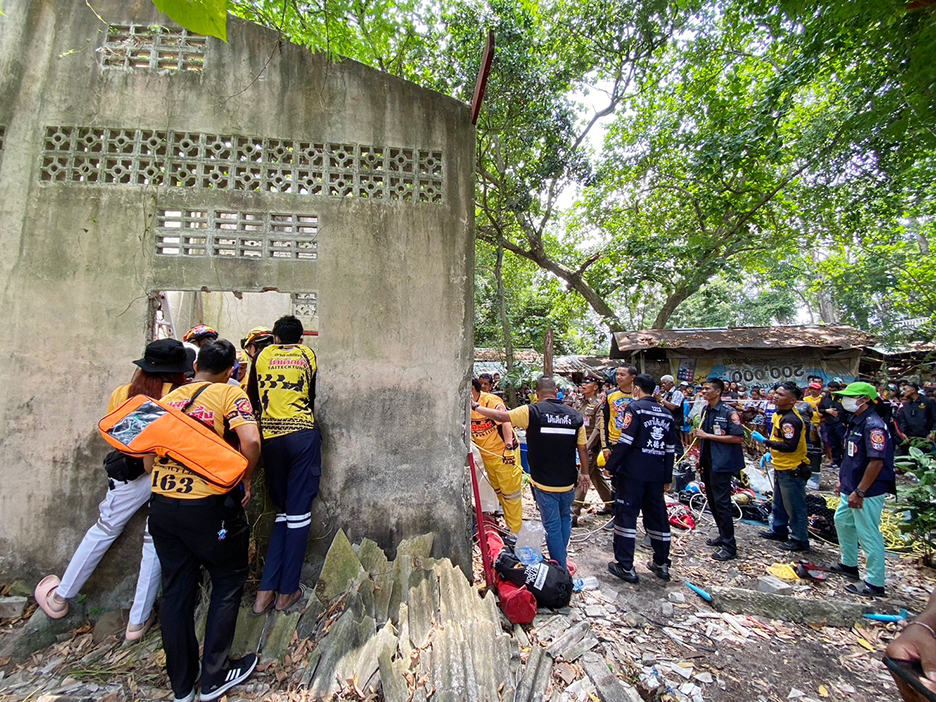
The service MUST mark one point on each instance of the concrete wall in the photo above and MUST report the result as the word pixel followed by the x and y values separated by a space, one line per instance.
pixel 376 174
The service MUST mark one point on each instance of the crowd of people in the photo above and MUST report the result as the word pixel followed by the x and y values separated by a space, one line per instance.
pixel 624 437
pixel 629 434
pixel 261 403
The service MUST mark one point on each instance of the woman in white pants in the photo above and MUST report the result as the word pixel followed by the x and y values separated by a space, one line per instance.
pixel 163 368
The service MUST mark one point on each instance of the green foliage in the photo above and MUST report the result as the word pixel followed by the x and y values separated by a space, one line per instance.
pixel 208 17
pixel 761 160
pixel 920 499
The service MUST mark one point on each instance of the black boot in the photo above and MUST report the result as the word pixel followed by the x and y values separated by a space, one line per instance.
pixel 661 571
pixel 628 576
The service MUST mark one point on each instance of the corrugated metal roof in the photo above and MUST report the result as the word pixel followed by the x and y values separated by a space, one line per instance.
pixel 837 337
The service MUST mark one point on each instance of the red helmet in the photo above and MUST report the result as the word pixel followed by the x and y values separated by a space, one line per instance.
pixel 200 332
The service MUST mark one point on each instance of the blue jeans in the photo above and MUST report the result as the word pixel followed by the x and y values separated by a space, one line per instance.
pixel 789 506
pixel 556 512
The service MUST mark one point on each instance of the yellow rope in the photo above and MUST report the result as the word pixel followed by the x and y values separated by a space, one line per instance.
pixel 895 540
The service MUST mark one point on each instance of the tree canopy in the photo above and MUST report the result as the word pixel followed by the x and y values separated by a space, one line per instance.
pixel 645 163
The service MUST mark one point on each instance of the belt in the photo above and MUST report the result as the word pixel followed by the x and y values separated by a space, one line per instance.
pixel 210 501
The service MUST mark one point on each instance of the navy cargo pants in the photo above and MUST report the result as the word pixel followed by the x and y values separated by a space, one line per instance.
pixel 632 496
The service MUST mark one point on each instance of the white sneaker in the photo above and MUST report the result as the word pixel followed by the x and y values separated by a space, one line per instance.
pixel 237 672
pixel 190 697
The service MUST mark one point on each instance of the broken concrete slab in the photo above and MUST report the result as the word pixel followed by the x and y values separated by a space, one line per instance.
pixel 400 571
pixel 280 635
pixel 109 624
pixel 536 674
pixel 40 631
pixel 418 546
pixel 676 597
pixel 773 585
pixel 372 557
pixel 342 567
pixel 787 608
pixel 383 589
pixel 571 637
pixel 309 619
pixel 365 589
pixel 573 652
pixel 12 607
pixel 610 689
pixel 552 627
pixel 344 638
pixel 392 677
pixel 423 599
pixel 247 632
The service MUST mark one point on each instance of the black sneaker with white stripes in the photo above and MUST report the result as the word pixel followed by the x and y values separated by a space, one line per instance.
pixel 237 671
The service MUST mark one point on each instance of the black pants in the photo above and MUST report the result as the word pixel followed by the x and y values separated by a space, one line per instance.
pixel 718 491
pixel 630 497
pixel 186 536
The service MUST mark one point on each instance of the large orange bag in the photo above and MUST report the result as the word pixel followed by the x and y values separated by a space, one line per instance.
pixel 142 425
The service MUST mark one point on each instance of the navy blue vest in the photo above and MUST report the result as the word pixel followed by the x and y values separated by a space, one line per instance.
pixel 551 440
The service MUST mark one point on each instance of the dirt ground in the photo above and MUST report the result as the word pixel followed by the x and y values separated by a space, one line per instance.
pixel 774 662
pixel 641 633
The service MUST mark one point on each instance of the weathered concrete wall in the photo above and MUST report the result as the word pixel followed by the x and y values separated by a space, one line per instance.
pixel 103 155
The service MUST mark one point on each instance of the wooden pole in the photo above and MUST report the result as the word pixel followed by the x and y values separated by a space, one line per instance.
pixel 483 73
pixel 548 353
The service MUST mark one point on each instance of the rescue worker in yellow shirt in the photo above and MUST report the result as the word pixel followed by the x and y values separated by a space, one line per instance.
pixel 789 523
pixel 498 447
pixel 614 407
pixel 282 386
pixel 195 526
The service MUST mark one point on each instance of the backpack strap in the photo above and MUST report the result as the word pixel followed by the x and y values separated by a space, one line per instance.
pixel 192 399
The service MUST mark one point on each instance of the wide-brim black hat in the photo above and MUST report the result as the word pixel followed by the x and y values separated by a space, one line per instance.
pixel 167 356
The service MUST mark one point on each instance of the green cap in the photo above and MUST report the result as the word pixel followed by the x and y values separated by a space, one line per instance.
pixel 858 390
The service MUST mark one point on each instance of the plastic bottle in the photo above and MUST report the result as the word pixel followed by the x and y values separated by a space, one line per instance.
pixel 588 583
pixel 529 547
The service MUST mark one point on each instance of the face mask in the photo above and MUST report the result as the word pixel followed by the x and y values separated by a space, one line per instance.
pixel 850 404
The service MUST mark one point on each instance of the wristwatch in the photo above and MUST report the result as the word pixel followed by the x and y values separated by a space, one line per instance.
pixel 861 493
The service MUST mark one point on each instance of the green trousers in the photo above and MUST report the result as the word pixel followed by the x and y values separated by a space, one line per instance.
pixel 862 526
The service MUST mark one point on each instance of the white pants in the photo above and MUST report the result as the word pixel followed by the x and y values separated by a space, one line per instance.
pixel 121 503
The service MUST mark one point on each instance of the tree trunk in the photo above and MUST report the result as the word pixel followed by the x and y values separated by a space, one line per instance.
pixel 675 299
pixel 505 323
pixel 827 312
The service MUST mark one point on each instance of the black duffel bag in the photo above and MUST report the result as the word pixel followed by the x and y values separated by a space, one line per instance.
pixel 121 467
pixel 550 584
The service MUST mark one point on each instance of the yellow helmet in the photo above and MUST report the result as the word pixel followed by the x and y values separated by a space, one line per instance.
pixel 255 335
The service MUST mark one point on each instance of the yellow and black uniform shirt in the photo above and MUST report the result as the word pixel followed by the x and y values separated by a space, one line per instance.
pixel 614 408
pixel 787 441
pixel 285 376
pixel 484 431
pixel 218 407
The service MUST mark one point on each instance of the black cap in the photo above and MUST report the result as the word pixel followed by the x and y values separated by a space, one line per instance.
pixel 167 356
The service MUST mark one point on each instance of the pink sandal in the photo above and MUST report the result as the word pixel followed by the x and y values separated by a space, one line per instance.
pixel 135 632
pixel 43 593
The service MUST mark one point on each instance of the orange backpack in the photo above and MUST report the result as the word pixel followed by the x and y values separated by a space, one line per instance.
pixel 142 426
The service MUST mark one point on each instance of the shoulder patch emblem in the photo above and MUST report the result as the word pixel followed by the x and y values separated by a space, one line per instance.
pixel 788 430
pixel 735 418
pixel 628 417
pixel 877 439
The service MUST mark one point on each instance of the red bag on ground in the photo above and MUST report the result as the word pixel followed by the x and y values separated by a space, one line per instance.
pixel 517 603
